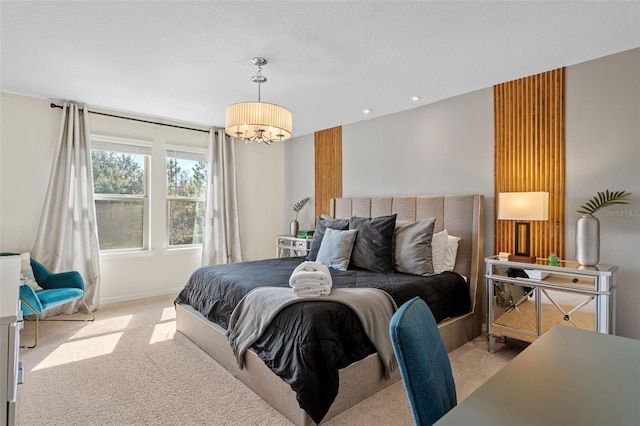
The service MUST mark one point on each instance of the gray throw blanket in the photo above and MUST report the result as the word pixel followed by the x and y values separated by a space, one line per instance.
pixel 254 313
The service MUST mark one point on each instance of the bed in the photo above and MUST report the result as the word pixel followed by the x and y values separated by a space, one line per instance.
pixel 205 325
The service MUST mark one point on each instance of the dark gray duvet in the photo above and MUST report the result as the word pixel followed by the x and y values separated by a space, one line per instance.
pixel 308 342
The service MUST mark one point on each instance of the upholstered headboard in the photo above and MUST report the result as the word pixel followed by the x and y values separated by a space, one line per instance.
pixel 461 215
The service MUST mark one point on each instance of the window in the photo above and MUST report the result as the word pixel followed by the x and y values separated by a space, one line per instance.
pixel 120 188
pixel 186 192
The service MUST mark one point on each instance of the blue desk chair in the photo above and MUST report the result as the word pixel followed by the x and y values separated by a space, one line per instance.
pixel 57 289
pixel 423 362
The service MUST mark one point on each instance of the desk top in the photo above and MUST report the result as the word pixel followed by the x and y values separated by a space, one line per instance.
pixel 568 376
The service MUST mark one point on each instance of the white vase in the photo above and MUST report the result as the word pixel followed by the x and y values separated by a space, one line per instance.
pixel 588 240
pixel 293 228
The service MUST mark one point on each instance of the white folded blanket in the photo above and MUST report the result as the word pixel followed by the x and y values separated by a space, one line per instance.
pixel 311 279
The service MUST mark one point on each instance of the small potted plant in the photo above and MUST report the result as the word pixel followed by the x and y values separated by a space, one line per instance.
pixel 588 226
pixel 296 208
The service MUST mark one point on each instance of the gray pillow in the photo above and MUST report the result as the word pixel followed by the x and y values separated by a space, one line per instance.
pixel 335 249
pixel 412 247
pixel 373 249
pixel 322 224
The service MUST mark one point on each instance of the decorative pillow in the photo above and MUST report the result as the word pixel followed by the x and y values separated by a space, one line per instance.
pixel 26 273
pixel 412 247
pixel 451 253
pixel 373 249
pixel 323 223
pixel 335 249
pixel 438 249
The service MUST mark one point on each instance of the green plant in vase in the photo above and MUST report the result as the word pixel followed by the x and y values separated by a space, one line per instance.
pixel 604 199
pixel 588 226
pixel 296 208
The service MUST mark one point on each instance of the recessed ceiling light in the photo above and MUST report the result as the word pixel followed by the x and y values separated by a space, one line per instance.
pixel 416 98
pixel 367 111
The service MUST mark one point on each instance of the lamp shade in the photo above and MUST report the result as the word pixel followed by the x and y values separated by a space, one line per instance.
pixel 258 121
pixel 523 206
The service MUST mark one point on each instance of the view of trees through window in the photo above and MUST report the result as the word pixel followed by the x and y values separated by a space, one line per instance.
pixel 186 190
pixel 120 198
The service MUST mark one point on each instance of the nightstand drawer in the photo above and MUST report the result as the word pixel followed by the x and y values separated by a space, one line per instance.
pixel 581 282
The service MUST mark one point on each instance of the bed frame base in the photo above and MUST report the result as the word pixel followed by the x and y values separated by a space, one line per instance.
pixel 358 381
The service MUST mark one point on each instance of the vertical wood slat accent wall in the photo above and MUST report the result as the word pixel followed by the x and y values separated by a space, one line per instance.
pixel 328 168
pixel 530 155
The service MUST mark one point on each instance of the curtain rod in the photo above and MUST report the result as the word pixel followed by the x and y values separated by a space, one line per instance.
pixel 53 105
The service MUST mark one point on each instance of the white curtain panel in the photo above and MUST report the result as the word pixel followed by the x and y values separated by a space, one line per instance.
pixel 222 229
pixel 67 237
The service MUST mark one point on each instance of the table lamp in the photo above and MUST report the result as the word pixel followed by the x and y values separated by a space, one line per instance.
pixel 523 207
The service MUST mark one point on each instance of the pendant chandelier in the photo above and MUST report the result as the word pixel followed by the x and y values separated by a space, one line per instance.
pixel 258 122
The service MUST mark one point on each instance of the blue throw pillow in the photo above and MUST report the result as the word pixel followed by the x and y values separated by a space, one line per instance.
pixel 335 249
pixel 321 225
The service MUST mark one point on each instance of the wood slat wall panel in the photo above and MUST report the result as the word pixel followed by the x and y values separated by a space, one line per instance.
pixel 328 168
pixel 529 155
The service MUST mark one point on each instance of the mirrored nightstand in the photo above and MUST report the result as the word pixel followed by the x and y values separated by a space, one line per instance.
pixel 525 299
pixel 290 246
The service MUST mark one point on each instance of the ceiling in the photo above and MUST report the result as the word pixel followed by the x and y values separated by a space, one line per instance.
pixel 328 60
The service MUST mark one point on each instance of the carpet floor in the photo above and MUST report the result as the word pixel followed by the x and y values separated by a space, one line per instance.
pixel 131 367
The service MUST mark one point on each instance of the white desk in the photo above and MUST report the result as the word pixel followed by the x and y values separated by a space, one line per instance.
pixel 568 376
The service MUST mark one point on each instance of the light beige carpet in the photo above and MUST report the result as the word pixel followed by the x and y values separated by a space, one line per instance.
pixel 130 367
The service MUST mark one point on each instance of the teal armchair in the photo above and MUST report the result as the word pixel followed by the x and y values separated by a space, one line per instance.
pixel 57 289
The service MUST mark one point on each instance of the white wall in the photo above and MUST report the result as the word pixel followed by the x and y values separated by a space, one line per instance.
pixel 260 190
pixel 299 181
pixel 448 147
pixel 28 138
pixel 29 130
pixel 603 152
pixel 442 148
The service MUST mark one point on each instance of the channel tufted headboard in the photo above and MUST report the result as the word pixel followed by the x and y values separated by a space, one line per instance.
pixel 461 215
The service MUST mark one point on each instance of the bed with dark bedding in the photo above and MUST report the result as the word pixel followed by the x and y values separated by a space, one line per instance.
pixel 319 351
pixel 308 342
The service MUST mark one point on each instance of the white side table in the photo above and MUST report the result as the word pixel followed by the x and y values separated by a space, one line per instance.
pixel 290 246
pixel 524 300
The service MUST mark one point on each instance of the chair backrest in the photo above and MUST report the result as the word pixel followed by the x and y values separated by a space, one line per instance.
pixel 423 362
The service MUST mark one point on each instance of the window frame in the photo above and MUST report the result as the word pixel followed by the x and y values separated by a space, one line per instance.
pixel 186 153
pixel 127 146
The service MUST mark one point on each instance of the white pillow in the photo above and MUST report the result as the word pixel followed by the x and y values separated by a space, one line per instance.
pixel 335 249
pixel 26 273
pixel 438 249
pixel 451 253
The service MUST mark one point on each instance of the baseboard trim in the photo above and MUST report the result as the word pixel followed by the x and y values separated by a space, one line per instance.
pixel 138 296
